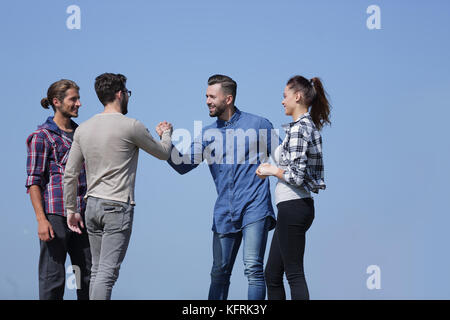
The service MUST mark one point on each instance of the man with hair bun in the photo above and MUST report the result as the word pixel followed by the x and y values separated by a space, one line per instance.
pixel 47 152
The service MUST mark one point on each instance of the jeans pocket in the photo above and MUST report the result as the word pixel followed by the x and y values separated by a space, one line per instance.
pixel 117 216
pixel 113 216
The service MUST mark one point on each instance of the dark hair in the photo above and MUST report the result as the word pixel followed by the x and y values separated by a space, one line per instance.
pixel 314 95
pixel 228 85
pixel 58 90
pixel 107 84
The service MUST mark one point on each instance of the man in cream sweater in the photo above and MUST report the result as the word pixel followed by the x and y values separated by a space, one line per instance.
pixel 109 144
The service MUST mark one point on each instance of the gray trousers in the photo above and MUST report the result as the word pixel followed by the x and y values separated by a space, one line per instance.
pixel 109 224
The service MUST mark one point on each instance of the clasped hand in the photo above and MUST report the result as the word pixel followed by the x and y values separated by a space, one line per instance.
pixel 266 169
pixel 163 126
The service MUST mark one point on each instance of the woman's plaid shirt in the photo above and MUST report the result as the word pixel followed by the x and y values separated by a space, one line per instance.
pixel 301 154
pixel 47 154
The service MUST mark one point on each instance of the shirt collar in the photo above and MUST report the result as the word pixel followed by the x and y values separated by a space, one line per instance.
pixel 233 119
pixel 287 126
pixel 52 126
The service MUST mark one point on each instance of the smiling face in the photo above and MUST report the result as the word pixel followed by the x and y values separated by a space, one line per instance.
pixel 70 104
pixel 216 100
pixel 290 101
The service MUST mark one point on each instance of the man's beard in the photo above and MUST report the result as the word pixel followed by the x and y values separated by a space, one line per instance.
pixel 66 114
pixel 124 106
pixel 219 109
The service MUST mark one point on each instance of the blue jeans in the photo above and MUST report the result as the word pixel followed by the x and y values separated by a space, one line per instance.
pixel 225 249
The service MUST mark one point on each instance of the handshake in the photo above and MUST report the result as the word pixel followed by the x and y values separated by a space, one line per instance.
pixel 163 126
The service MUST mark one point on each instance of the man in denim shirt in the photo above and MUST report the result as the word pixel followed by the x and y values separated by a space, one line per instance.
pixel 234 146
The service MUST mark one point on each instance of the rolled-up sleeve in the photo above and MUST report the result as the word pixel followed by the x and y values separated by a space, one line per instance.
pixel 297 148
pixel 37 155
pixel 71 174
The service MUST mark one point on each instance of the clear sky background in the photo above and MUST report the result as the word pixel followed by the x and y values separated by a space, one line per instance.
pixel 386 154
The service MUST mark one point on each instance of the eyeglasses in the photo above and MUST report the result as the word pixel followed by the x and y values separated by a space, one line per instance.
pixel 128 92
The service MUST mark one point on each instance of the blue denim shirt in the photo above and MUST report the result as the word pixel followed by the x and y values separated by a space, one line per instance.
pixel 243 198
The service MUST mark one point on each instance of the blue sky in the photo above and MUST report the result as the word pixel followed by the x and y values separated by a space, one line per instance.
pixel 386 154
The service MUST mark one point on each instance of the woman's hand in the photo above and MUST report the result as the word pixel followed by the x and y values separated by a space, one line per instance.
pixel 266 169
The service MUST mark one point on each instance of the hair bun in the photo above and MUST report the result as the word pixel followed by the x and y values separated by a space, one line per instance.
pixel 45 103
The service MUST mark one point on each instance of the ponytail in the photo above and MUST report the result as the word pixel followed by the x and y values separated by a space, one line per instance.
pixel 314 95
pixel 320 107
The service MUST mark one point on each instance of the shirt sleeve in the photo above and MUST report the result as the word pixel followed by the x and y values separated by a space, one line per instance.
pixel 71 173
pixel 298 145
pixel 183 163
pixel 37 155
pixel 144 140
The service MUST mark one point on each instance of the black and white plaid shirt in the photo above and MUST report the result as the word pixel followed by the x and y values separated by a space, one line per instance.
pixel 301 154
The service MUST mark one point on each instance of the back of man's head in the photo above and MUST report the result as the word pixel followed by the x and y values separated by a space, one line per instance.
pixel 107 84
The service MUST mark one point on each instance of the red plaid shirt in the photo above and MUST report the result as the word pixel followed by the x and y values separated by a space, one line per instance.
pixel 47 154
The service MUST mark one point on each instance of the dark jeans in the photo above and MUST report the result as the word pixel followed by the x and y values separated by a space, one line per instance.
pixel 287 250
pixel 52 259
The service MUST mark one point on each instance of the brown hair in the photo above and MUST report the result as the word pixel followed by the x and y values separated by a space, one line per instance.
pixel 58 90
pixel 107 84
pixel 314 95
pixel 228 85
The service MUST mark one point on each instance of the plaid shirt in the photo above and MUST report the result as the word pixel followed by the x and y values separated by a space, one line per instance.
pixel 301 154
pixel 47 153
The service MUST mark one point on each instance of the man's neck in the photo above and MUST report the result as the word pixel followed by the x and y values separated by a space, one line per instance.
pixel 113 107
pixel 227 114
pixel 63 122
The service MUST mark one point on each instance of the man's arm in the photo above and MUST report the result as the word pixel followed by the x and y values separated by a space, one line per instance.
pixel 45 229
pixel 179 162
pixel 71 173
pixel 37 153
pixel 144 140
pixel 185 162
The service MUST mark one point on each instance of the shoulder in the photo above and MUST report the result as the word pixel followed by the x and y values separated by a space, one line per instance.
pixel 261 121
pixel 210 126
pixel 134 123
pixel 305 128
pixel 87 123
pixel 40 134
pixel 134 127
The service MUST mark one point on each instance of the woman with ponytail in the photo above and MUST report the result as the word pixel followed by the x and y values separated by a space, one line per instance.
pixel 299 169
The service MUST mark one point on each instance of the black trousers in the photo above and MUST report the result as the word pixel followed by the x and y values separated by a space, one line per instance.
pixel 52 258
pixel 287 250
